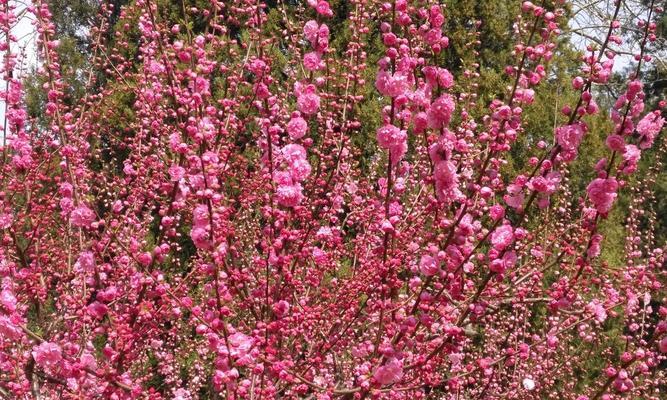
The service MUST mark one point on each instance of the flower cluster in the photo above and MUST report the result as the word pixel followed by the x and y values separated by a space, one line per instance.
pixel 319 200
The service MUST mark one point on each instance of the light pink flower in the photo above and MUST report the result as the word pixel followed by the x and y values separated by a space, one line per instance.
pixel 568 138
pixel 390 135
pixel 289 195
pixel 428 265
pixel 308 103
pixel 299 169
pixel 8 301
pixel 8 329
pixel 446 182
pixel 82 216
pixel 631 154
pixel 389 373
pixel 47 355
pixel 602 193
pixel 311 61
pixel 648 128
pixel 297 128
pixel 594 248
pixel 616 143
pixel 440 112
pixel 310 30
pixel 292 152
pixel 240 344
pixel 200 238
pixel 392 85
pixel 597 309
pixel 176 173
pixel 502 237
pixel 515 196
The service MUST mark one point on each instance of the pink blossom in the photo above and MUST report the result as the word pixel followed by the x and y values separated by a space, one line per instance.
pixel 308 103
pixel 200 238
pixel 514 197
pixel 323 8
pixel 297 128
pixel 311 61
pixel 182 394
pixel 445 78
pixel 292 152
pixel 496 212
pixel 428 265
pixel 176 173
pixel 82 217
pixel 662 345
pixel 602 193
pixel 594 248
pixel 631 153
pixel 107 295
pixel 597 309
pixel 616 143
pixel 281 308
pixel 440 112
pixel 568 138
pixel 390 372
pixel 446 182
pixel 66 189
pixel 310 31
pixel 240 344
pixel 97 309
pixel 8 301
pixel 299 169
pixel 442 149
pixel 47 355
pixel 8 329
pixel 392 85
pixel 86 261
pixel 390 135
pixel 289 195
pixel 648 128
pixel 397 151
pixel 502 237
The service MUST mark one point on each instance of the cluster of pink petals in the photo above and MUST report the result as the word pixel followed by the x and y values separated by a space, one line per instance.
pixel 230 237
pixel 602 193
pixel 569 138
pixel 47 355
pixel 648 128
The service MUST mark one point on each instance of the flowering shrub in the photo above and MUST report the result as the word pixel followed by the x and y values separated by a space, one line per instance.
pixel 224 235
